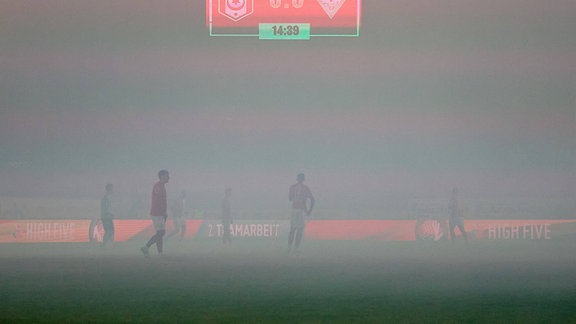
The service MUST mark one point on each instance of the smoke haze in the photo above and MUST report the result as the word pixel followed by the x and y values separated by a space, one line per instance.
pixel 432 95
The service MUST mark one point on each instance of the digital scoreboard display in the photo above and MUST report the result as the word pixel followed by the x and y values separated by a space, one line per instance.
pixel 283 19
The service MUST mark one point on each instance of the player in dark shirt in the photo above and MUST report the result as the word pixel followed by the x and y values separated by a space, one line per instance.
pixel 299 195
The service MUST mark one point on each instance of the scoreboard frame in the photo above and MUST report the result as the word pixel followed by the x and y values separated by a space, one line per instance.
pixel 213 13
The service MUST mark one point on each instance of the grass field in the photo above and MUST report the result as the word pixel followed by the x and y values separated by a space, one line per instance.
pixel 258 282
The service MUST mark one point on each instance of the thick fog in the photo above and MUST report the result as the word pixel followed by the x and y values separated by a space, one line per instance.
pixel 432 95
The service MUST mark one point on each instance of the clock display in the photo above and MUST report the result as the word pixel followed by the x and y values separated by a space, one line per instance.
pixel 284 31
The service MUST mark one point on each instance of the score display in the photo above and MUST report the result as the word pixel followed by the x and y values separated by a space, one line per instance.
pixel 283 19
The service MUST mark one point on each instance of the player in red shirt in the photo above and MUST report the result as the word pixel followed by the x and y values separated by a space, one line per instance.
pixel 158 212
pixel 299 195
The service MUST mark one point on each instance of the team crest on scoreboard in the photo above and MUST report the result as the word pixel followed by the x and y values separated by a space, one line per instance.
pixel 235 9
pixel 331 6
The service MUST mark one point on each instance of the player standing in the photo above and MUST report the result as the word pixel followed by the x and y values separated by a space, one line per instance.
pixel 226 217
pixel 158 212
pixel 178 213
pixel 299 195
pixel 106 214
pixel 456 216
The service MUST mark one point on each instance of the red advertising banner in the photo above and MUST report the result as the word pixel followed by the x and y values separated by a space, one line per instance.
pixel 246 229
pixel 389 230
pixel 33 231
pixel 435 229
pixel 63 230
pixel 125 230
pixel 521 229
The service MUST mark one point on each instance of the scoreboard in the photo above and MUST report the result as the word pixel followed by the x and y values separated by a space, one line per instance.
pixel 283 19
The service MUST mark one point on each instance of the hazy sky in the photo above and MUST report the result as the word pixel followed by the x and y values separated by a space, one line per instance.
pixel 433 94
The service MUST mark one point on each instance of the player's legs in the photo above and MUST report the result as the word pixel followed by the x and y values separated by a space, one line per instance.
pixel 182 229
pixel 299 233
pixel 158 238
pixel 296 227
pixel 160 241
pixel 108 225
pixel 452 226
pixel 112 230
pixel 462 230
pixel 291 236
pixel 152 240
pixel 226 232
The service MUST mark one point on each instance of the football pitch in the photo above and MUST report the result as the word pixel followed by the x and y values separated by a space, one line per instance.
pixel 259 282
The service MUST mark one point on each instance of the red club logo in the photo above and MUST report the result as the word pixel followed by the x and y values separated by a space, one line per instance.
pixel 235 9
pixel 96 231
pixel 429 229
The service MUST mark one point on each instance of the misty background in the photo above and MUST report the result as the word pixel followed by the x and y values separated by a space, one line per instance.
pixel 433 95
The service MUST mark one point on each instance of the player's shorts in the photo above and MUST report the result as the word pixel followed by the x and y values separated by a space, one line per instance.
pixel 298 219
pixel 159 223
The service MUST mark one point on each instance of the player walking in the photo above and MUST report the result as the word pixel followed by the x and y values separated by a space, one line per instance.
pixel 158 212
